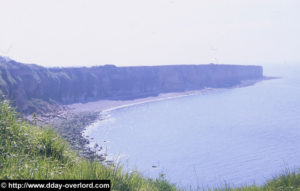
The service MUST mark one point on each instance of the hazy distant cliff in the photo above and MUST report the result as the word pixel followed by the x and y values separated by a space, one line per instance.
pixel 23 83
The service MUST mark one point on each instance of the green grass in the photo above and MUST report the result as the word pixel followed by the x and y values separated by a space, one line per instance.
pixel 33 152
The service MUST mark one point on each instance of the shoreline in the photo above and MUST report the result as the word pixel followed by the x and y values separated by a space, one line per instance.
pixel 89 145
pixel 110 105
pixel 102 106
pixel 73 120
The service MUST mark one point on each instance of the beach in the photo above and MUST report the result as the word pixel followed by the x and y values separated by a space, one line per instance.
pixel 108 105
pixel 72 120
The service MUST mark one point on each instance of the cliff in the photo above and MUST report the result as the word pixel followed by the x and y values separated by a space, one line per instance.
pixel 28 84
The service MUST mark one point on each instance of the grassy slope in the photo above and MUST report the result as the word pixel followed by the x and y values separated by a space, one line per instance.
pixel 31 152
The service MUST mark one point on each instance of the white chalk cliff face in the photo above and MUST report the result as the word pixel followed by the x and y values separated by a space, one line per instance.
pixel 23 82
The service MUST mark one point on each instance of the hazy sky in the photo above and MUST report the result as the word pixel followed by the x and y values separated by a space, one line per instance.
pixel 150 32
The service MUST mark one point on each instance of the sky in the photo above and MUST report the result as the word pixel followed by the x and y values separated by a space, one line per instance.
pixel 150 32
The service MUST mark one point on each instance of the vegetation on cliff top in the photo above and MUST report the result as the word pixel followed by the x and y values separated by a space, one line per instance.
pixel 33 152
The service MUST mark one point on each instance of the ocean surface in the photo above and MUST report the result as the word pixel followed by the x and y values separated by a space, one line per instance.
pixel 235 136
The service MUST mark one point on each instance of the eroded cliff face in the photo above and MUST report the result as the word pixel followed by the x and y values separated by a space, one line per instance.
pixel 27 84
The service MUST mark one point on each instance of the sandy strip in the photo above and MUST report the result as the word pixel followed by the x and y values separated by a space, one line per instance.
pixel 108 105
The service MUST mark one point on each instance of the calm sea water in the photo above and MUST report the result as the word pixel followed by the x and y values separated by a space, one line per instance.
pixel 236 136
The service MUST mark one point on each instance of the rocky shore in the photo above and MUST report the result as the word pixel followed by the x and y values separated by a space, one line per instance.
pixel 70 121
pixel 70 124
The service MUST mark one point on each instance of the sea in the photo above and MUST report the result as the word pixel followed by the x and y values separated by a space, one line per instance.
pixel 234 137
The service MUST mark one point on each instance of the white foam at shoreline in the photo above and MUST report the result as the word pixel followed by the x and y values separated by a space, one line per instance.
pixel 106 113
pixel 107 106
pixel 160 97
